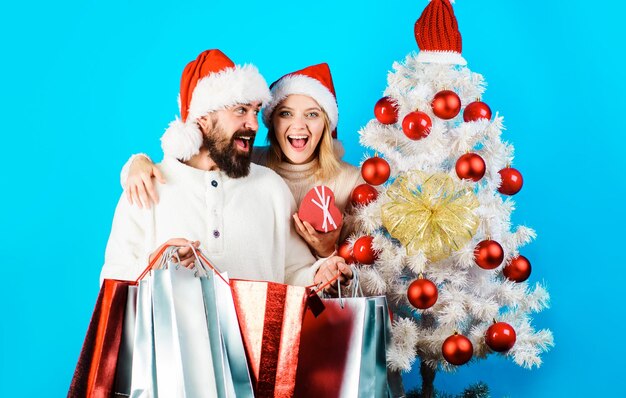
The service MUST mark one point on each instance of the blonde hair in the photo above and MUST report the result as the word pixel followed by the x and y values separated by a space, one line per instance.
pixel 328 161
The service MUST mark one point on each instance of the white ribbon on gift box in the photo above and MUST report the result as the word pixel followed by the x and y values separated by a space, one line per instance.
pixel 324 204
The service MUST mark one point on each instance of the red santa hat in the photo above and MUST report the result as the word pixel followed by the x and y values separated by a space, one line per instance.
pixel 209 83
pixel 437 35
pixel 314 81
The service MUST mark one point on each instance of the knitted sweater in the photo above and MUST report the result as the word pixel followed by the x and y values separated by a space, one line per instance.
pixel 243 224
pixel 300 178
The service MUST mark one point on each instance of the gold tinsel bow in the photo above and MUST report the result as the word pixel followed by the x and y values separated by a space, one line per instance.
pixel 432 213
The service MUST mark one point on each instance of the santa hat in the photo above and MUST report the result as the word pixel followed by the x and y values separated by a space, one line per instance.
pixel 437 35
pixel 209 83
pixel 314 81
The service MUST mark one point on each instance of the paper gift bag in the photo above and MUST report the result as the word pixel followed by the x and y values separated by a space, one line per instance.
pixel 342 351
pixel 270 317
pixel 123 371
pixel 229 357
pixel 143 380
pixel 95 372
pixel 184 365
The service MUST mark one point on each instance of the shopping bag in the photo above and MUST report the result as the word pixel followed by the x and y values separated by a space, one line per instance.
pixel 143 369
pixel 270 317
pixel 229 358
pixel 183 359
pixel 187 339
pixel 95 371
pixel 343 351
pixel 123 371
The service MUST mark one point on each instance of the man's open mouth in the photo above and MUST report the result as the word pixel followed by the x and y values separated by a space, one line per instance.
pixel 244 142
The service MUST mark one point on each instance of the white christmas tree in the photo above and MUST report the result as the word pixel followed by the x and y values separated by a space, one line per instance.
pixel 437 239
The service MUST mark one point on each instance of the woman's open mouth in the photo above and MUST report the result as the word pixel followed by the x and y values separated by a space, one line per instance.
pixel 298 142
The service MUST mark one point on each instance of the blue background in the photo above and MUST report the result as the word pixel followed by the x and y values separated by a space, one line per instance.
pixel 86 83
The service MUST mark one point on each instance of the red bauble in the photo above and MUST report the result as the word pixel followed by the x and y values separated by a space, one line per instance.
pixel 416 125
pixel 386 110
pixel 517 269
pixel 512 181
pixel 457 349
pixel 488 254
pixel 500 337
pixel 470 167
pixel 446 104
pixel 363 252
pixel 375 170
pixel 475 111
pixel 344 250
pixel 364 194
pixel 422 293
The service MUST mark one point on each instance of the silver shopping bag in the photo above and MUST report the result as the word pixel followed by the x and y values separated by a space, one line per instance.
pixel 123 371
pixel 229 357
pixel 184 363
pixel 143 369
pixel 373 375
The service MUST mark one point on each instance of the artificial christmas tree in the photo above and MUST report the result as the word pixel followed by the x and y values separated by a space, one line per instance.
pixel 444 215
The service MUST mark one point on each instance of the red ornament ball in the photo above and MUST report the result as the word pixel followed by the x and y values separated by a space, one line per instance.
pixel 422 293
pixel 446 104
pixel 344 250
pixel 375 171
pixel 488 254
pixel 512 181
pixel 363 252
pixel 364 194
pixel 457 349
pixel 517 269
pixel 475 111
pixel 416 125
pixel 386 110
pixel 500 337
pixel 470 167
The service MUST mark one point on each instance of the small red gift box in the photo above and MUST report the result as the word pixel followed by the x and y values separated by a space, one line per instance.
pixel 318 208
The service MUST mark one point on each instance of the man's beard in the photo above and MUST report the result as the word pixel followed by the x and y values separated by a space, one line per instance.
pixel 224 152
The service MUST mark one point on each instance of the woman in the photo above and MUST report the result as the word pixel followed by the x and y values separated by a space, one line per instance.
pixel 303 149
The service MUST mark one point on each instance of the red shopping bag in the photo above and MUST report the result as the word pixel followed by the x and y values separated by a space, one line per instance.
pixel 95 372
pixel 270 318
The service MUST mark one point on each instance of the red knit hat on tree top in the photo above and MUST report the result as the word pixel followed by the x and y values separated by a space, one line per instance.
pixel 209 83
pixel 437 35
pixel 314 81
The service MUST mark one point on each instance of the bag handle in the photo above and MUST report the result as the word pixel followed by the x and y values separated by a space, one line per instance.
pixel 356 286
pixel 168 251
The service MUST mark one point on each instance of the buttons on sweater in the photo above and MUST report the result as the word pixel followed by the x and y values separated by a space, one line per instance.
pixel 214 183
pixel 216 234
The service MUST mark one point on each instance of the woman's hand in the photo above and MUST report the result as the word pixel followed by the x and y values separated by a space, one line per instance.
pixel 323 243
pixel 185 253
pixel 139 185
pixel 329 269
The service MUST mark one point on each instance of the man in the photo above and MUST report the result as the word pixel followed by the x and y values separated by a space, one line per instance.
pixel 238 213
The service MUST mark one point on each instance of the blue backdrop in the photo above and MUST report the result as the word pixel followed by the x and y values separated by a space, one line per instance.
pixel 86 83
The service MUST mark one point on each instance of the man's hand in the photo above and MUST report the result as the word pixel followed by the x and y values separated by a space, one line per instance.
pixel 139 184
pixel 185 253
pixel 329 269
pixel 323 243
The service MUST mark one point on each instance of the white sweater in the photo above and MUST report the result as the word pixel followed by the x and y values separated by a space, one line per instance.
pixel 243 225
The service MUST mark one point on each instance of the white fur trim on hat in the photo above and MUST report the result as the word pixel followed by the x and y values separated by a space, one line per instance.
pixel 441 57
pixel 182 140
pixel 239 85
pixel 304 85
